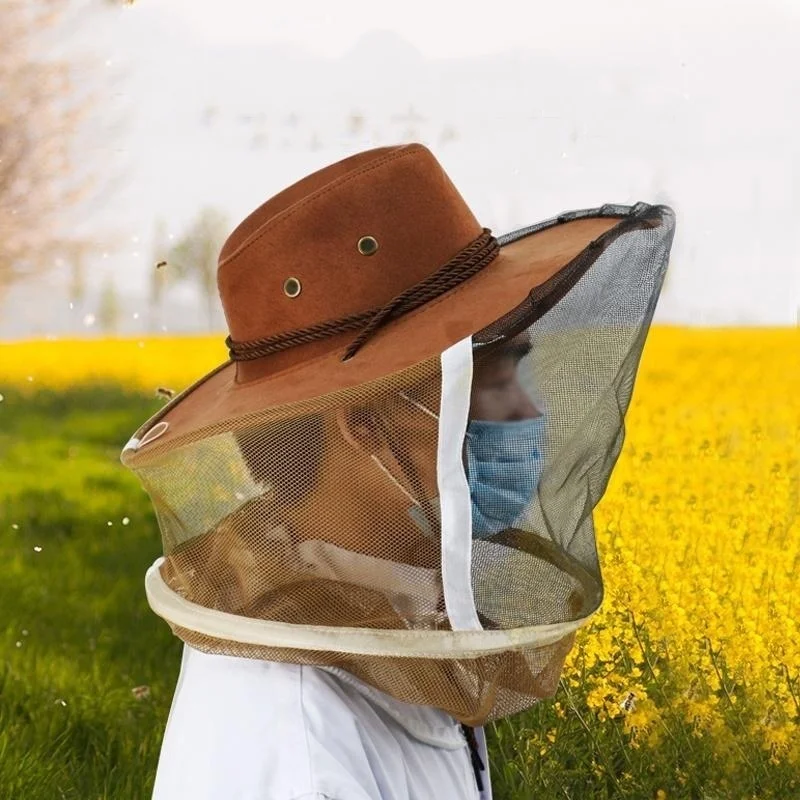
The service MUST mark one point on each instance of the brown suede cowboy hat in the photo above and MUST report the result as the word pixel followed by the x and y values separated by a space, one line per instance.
pixel 367 267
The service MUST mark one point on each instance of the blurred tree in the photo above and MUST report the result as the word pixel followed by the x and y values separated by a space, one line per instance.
pixel 259 140
pixel 160 273
pixel 194 257
pixel 75 255
pixel 109 309
pixel 448 134
pixel 355 123
pixel 209 115
pixel 44 177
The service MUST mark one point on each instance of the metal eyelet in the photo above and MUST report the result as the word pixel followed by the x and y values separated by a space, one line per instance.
pixel 292 287
pixel 367 245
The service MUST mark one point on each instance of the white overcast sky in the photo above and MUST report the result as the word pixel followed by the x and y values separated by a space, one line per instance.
pixel 445 27
pixel 681 103
pixel 589 33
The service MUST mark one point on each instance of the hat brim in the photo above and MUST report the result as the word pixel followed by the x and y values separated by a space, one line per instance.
pixel 533 258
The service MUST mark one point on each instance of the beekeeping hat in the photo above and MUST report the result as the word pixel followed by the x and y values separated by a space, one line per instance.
pixel 395 471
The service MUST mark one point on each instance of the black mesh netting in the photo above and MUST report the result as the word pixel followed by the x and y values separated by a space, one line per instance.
pixel 316 532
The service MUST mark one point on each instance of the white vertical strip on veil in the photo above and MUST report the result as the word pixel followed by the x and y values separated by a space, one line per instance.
pixel 454 497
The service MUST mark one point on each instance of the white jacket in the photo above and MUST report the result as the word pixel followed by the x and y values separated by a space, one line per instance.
pixel 242 729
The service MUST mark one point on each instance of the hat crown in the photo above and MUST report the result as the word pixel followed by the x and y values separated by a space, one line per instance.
pixel 344 240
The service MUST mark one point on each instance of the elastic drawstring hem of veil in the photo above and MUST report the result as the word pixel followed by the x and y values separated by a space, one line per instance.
pixel 477 763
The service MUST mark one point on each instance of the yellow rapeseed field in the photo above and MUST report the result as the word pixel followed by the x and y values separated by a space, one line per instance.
pixel 700 544
pixel 143 363
pixel 698 532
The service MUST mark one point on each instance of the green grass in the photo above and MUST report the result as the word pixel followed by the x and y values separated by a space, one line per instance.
pixel 77 636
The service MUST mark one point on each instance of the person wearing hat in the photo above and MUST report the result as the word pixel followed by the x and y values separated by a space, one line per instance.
pixel 376 515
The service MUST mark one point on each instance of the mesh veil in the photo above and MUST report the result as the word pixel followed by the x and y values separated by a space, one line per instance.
pixel 409 530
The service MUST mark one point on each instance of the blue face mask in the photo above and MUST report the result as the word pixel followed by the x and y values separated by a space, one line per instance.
pixel 504 464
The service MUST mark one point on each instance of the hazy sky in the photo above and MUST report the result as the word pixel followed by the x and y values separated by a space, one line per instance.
pixel 687 102
pixel 449 27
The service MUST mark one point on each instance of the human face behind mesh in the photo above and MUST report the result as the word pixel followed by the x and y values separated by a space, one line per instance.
pixel 504 428
pixel 384 451
pixel 497 394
